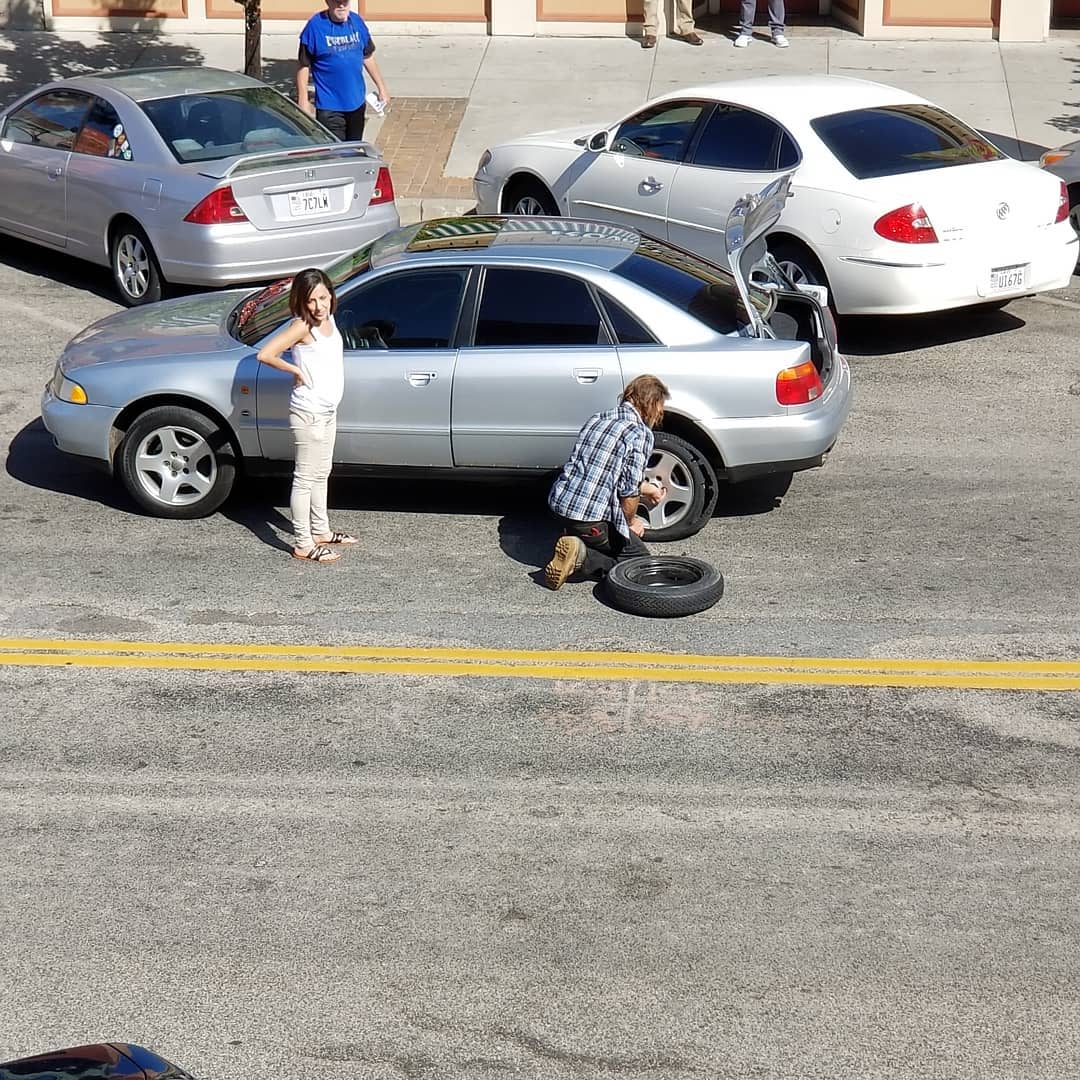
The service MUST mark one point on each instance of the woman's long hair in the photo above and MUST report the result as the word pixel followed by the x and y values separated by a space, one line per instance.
pixel 304 284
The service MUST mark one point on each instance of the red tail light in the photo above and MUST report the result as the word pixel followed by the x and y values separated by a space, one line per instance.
pixel 907 225
pixel 218 208
pixel 798 385
pixel 1063 205
pixel 384 188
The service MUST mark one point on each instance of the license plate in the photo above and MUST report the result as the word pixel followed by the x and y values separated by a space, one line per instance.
pixel 312 201
pixel 1008 278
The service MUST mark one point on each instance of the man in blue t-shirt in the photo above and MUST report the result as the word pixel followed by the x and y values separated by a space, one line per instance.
pixel 336 48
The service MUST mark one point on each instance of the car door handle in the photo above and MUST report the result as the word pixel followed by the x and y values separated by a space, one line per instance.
pixel 586 375
pixel 54 171
pixel 651 184
pixel 420 378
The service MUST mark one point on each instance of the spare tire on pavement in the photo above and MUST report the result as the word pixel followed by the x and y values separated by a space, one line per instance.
pixel 664 586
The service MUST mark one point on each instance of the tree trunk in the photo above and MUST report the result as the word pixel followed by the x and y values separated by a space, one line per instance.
pixel 253 38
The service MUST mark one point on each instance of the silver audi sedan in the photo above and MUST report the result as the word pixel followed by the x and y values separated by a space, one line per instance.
pixel 474 346
pixel 185 175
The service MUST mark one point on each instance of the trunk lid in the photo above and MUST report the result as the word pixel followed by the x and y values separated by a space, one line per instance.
pixel 295 189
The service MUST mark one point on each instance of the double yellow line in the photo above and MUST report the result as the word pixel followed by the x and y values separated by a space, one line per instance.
pixel 544 664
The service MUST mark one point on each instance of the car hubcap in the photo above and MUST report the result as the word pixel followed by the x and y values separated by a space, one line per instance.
pixel 669 470
pixel 175 466
pixel 132 266
pixel 528 205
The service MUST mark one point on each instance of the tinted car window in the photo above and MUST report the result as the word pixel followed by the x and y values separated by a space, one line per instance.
pixel 662 131
pixel 102 134
pixel 206 127
pixel 417 309
pixel 901 139
pixel 691 284
pixel 51 119
pixel 736 138
pixel 788 157
pixel 628 331
pixel 533 307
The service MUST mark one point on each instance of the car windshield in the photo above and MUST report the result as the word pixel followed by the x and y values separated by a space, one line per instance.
pixel 250 120
pixel 901 139
pixel 256 316
pixel 693 285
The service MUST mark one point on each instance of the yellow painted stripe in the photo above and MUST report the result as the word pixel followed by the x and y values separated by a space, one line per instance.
pixel 595 672
pixel 309 654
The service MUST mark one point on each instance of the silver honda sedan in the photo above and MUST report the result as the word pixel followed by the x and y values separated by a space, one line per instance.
pixel 186 175
pixel 474 346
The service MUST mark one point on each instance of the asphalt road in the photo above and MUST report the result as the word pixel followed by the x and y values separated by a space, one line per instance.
pixel 370 875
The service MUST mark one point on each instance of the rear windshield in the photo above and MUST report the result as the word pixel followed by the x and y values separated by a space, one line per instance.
pixel 693 285
pixel 252 120
pixel 901 139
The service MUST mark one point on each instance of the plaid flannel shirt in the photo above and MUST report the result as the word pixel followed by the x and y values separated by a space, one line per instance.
pixel 607 464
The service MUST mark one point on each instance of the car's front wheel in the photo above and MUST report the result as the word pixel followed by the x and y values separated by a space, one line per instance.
pixel 529 198
pixel 135 267
pixel 176 462
pixel 691 489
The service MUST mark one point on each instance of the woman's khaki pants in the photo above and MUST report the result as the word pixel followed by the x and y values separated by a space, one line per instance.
pixel 314 436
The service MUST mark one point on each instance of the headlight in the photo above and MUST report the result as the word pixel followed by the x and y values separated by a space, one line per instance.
pixel 66 390
pixel 485 159
pixel 1054 157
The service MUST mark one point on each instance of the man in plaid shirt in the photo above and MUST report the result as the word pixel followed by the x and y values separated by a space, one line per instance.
pixel 597 493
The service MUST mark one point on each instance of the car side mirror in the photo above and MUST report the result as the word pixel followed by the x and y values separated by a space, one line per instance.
pixel 598 142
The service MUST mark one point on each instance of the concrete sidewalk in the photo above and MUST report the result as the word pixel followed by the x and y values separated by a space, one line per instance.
pixel 1026 95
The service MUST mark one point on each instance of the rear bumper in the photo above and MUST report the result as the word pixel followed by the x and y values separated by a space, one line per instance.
pixel 82 430
pixel 796 439
pixel 232 254
pixel 911 279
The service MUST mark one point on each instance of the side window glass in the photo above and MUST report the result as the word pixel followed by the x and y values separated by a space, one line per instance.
pixel 102 134
pixel 736 138
pixel 789 152
pixel 531 307
pixel 628 331
pixel 662 131
pixel 50 120
pixel 415 310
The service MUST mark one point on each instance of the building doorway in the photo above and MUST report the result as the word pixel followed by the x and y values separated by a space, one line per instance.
pixel 1065 9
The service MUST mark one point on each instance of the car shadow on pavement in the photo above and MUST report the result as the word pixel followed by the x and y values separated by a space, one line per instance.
pixel 57 266
pixel 33 460
pixel 881 335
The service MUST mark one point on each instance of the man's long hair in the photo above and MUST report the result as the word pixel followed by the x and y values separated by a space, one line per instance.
pixel 647 394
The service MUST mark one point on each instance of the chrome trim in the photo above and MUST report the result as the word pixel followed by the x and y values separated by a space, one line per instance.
pixel 891 265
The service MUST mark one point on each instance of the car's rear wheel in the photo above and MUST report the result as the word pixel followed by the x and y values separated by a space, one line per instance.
pixel 691 489
pixel 529 198
pixel 135 267
pixel 799 263
pixel 176 462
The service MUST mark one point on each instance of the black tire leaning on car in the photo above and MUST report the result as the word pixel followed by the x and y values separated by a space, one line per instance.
pixel 663 586
pixel 134 265
pixel 524 190
pixel 689 465
pixel 190 429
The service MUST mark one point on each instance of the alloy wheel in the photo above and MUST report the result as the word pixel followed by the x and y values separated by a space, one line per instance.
pixel 529 205
pixel 175 466
pixel 132 266
pixel 667 469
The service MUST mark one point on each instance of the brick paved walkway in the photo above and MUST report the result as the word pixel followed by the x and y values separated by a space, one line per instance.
pixel 416 137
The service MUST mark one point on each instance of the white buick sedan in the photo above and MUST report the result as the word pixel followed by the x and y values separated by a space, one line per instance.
pixel 899 207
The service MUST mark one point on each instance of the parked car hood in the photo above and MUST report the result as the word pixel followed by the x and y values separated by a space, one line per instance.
pixel 558 136
pixel 181 328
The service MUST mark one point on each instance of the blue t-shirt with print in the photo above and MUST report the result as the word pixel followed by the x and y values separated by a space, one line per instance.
pixel 337 52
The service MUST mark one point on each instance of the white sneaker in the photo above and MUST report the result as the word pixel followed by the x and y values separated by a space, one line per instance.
pixel 780 41
pixel 742 41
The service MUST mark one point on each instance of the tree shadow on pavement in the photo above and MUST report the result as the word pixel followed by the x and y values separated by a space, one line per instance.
pixel 30 58
pixel 881 335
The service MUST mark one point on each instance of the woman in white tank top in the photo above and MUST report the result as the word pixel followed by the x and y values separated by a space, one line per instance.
pixel 318 370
